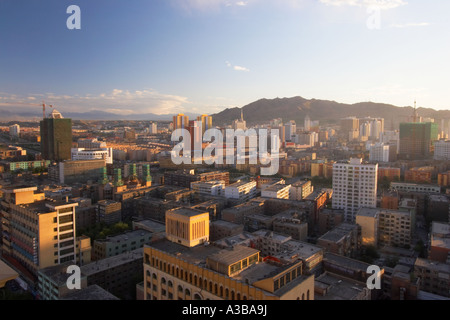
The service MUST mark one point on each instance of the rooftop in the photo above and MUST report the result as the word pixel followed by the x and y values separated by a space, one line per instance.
pixel 188 212
pixel 345 262
pixel 368 212
pixel 111 262
pixel 92 292
pixel 337 288
pixel 126 236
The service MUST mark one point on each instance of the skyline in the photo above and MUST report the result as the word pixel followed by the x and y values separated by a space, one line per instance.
pixel 199 56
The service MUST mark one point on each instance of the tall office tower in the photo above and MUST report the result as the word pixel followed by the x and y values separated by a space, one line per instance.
pixel 56 137
pixel 240 123
pixel 38 233
pixel 206 122
pixel 354 187
pixel 416 140
pixel 349 124
pixel 195 130
pixel 180 121
pixel 14 130
pixel 307 123
pixel 153 128
pixel 290 129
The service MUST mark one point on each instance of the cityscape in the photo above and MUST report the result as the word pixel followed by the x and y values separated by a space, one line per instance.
pixel 174 202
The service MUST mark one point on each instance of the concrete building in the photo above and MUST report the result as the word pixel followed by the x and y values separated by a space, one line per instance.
pixel 434 276
pixel 242 191
pixel 395 228
pixel 92 154
pixel 109 211
pixel 415 187
pixel 439 243
pixel 379 152
pixel 345 240
pixel 300 190
pixel 185 178
pixel 117 274
pixel 419 175
pixel 354 186
pixel 36 232
pixel 329 286
pixel 81 171
pixel 442 150
pixel 14 131
pixel 173 271
pixel 56 137
pixel 115 245
pixel 91 143
pixel 52 281
pixel 188 227
pixel 220 229
pixel 367 218
pixel 329 219
pixel 416 140
pixel 277 191
pixel 212 187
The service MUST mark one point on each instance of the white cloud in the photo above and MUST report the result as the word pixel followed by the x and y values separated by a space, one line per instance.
pixel 117 101
pixel 236 68
pixel 381 4
pixel 239 68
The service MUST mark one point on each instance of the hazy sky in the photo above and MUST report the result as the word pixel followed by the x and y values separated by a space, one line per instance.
pixel 169 56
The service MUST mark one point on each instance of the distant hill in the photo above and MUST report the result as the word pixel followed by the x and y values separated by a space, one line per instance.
pixel 32 115
pixel 297 108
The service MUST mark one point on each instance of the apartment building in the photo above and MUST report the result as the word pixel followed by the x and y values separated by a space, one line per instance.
pixel 354 187
pixel 242 191
pixel 37 232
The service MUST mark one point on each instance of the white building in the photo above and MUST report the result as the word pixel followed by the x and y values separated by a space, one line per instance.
pixel 300 190
pixel 442 150
pixel 14 130
pixel 93 154
pixel 276 191
pixel 290 129
pixel 91 143
pixel 379 152
pixel 241 190
pixel 307 124
pixel 354 187
pixel 212 187
pixel 153 128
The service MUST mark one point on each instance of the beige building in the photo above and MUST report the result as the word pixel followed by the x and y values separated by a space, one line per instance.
pixel 38 233
pixel 367 218
pixel 186 226
pixel 178 270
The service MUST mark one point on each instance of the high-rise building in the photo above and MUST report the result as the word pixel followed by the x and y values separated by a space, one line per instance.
pixel 56 137
pixel 416 140
pixel 307 124
pixel 92 154
pixel 14 130
pixel 206 122
pixel 36 232
pixel 153 128
pixel 240 123
pixel 290 130
pixel 354 187
pixel 442 150
pixel 180 121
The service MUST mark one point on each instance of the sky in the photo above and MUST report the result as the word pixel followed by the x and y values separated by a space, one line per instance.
pixel 202 56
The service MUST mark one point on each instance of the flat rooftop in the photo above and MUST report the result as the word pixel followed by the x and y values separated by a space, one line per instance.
pixel 345 262
pixel 188 212
pixel 337 288
pixel 368 212
pixel 135 234
pixel 338 233
pixel 92 292
pixel 195 255
pixel 233 254
pixel 111 262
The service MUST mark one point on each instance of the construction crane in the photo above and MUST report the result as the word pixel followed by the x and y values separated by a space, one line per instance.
pixel 43 105
pixel 43 108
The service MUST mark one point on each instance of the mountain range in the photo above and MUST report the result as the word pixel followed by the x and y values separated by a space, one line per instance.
pixel 297 108
pixel 262 111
